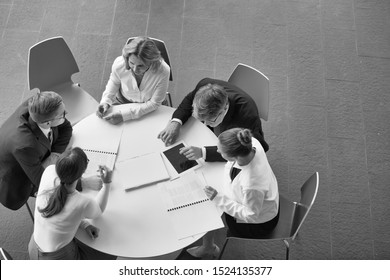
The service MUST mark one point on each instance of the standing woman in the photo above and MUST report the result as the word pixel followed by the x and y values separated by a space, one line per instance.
pixel 60 210
pixel 138 78
pixel 249 197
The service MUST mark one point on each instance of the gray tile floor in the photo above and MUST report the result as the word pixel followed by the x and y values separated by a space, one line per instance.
pixel 328 62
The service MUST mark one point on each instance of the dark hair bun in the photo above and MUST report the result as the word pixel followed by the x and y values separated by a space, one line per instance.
pixel 245 137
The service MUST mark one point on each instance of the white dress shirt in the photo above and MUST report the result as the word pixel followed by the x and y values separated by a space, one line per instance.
pixel 253 196
pixel 143 99
pixel 55 232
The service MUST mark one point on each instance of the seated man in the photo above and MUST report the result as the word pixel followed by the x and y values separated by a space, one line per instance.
pixel 221 106
pixel 30 139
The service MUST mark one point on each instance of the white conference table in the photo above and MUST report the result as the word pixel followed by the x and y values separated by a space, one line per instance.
pixel 136 224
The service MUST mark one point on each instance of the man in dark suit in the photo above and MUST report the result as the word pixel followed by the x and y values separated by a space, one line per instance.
pixel 221 106
pixel 31 139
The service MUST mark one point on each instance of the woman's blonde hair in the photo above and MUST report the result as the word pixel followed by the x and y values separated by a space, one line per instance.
pixel 236 142
pixel 144 49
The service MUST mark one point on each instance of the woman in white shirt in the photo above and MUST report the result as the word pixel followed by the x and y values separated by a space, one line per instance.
pixel 60 210
pixel 249 197
pixel 139 78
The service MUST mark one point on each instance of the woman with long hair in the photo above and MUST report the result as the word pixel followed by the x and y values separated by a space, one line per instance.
pixel 60 210
pixel 139 78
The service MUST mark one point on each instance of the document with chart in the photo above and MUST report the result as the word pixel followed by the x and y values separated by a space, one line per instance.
pixel 99 140
pixel 188 207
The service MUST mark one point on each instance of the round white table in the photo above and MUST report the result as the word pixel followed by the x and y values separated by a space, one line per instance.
pixel 136 224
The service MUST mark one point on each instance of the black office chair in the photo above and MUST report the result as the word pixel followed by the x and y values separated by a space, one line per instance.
pixel 164 53
pixel 51 65
pixel 291 216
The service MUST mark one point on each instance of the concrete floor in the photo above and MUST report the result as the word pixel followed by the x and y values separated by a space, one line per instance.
pixel 328 62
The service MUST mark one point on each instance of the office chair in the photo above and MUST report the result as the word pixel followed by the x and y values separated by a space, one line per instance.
pixel 4 255
pixel 164 54
pixel 51 65
pixel 255 84
pixel 29 211
pixel 291 216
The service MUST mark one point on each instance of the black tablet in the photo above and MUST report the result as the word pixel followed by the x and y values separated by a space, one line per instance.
pixel 179 162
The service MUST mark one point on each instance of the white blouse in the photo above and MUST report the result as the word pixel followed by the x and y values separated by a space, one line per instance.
pixel 55 232
pixel 143 99
pixel 253 196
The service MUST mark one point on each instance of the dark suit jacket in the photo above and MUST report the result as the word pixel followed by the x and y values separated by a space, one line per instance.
pixel 242 113
pixel 23 148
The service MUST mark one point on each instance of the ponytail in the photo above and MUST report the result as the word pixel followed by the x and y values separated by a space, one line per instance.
pixel 236 142
pixel 69 168
pixel 56 201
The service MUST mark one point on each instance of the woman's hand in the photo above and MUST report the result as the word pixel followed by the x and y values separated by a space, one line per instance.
pixel 105 174
pixel 92 231
pixel 114 118
pixel 210 192
pixel 102 109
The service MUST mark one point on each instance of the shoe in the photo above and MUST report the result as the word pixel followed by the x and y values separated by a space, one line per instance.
pixel 194 252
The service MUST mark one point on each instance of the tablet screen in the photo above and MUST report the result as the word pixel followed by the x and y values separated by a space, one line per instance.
pixel 179 161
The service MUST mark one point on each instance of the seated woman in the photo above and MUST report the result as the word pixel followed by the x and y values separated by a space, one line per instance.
pixel 249 196
pixel 138 78
pixel 60 210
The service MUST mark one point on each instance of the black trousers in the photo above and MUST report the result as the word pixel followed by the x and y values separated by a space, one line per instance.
pixel 246 230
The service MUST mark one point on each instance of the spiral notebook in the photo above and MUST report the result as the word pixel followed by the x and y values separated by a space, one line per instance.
pixel 97 158
pixel 99 140
pixel 188 207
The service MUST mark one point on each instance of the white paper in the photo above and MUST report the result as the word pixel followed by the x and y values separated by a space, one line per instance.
pixel 100 141
pixel 188 207
pixel 143 170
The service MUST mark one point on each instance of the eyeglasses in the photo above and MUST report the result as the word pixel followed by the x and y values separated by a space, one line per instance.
pixel 217 116
pixel 63 116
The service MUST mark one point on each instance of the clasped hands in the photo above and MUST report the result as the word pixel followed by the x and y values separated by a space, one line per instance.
pixel 113 118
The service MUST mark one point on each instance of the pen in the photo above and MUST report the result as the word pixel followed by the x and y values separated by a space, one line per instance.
pixel 144 185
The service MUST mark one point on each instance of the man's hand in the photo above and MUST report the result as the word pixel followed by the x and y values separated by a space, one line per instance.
pixel 102 109
pixel 210 192
pixel 191 152
pixel 114 118
pixel 92 182
pixel 92 231
pixel 170 133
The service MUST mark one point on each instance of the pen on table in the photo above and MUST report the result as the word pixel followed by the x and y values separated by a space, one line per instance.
pixel 145 185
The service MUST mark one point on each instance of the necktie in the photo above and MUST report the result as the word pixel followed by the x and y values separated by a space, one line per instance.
pixel 234 172
pixel 50 137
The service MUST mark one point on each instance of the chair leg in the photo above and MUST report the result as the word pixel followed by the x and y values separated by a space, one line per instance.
pixel 287 249
pixel 223 248
pixel 169 99
pixel 29 211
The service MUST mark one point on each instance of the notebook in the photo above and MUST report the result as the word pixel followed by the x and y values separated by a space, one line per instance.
pixel 99 140
pixel 144 171
pixel 188 207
